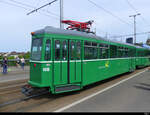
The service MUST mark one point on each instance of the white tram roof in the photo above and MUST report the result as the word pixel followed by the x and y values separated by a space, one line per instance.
pixel 53 30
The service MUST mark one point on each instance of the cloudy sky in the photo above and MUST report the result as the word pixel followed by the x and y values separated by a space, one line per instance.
pixel 111 17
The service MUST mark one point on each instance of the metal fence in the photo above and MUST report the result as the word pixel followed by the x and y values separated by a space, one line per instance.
pixel 13 62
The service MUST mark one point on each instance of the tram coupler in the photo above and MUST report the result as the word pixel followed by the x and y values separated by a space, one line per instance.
pixel 28 90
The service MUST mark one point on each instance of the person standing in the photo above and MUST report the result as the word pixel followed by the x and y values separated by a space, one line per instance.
pixel 22 63
pixel 18 61
pixel 5 64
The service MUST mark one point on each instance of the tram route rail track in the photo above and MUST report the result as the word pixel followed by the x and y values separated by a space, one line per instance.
pixel 14 101
pixel 11 89
pixel 12 86
pixel 9 83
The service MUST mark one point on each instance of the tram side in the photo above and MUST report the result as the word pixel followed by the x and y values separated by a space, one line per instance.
pixel 142 57
pixel 103 60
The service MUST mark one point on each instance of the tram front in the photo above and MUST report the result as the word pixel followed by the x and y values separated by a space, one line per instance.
pixel 40 62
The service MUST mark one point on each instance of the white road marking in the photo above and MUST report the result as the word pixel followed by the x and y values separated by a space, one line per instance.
pixel 99 92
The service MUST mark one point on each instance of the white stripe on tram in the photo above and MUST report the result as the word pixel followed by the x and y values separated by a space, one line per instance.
pixel 87 60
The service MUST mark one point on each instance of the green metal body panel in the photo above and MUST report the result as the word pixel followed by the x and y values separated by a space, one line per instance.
pixel 141 59
pixel 60 73
pixel 41 77
pixel 104 69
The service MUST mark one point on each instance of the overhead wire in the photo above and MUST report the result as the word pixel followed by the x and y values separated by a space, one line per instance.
pixel 25 8
pixel 13 5
pixel 27 5
pixel 110 13
pixel 121 20
pixel 132 7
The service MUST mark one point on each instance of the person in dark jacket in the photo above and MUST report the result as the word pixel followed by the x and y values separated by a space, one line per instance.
pixel 4 65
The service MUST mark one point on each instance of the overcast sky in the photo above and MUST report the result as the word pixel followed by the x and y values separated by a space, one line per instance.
pixel 111 17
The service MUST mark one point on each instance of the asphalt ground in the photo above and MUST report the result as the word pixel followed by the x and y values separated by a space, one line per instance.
pixel 14 73
pixel 131 95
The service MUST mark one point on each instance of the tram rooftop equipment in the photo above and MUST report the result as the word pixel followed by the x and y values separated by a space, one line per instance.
pixel 79 26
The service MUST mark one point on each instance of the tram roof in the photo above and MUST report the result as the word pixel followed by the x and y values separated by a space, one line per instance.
pixel 53 30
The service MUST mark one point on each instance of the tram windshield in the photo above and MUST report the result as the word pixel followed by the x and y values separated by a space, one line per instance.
pixel 36 49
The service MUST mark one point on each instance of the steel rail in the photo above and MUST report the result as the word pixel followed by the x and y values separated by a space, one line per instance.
pixel 22 99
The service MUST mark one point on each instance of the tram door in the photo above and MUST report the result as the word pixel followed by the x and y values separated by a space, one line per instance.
pixel 132 59
pixel 74 62
pixel 67 62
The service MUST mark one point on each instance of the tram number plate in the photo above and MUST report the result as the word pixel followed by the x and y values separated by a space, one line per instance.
pixel 46 69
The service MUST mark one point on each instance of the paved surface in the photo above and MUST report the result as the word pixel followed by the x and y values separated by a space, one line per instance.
pixel 14 69
pixel 14 74
pixel 130 96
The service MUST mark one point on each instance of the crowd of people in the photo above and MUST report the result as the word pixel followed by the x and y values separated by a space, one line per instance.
pixel 19 62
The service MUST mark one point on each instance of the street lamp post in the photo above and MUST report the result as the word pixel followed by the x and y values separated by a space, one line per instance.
pixel 134 16
pixel 61 14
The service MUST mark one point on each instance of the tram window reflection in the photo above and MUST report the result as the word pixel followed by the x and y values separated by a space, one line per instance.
pixel 78 50
pixel 64 51
pixel 57 50
pixel 48 50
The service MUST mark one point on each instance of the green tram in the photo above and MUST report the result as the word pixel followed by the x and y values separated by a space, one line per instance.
pixel 66 60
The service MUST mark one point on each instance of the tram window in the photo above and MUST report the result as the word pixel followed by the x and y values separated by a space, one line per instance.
pixel 95 50
pixel 87 43
pixel 126 52
pixel 90 50
pixel 104 51
pixel 64 52
pixel 94 44
pixel 113 51
pixel 78 50
pixel 132 53
pixel 57 50
pixel 142 53
pixel 36 49
pixel 73 51
pixel 88 53
pixel 121 52
pixel 48 50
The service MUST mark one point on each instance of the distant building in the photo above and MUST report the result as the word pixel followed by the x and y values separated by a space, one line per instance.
pixel 129 40
pixel 15 56
pixel 6 54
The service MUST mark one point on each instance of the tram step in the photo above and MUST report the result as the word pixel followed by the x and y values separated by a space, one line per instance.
pixel 67 88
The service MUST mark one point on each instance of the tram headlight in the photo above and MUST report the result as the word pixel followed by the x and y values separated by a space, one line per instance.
pixel 32 33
